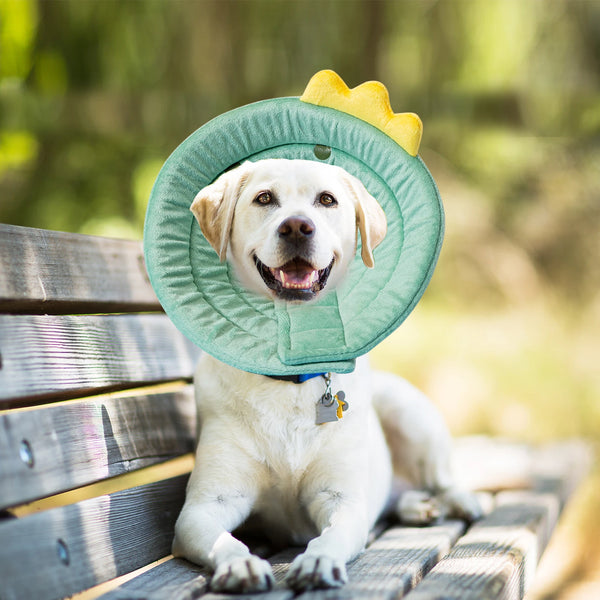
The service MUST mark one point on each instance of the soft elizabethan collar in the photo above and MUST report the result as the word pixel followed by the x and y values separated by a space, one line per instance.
pixel 353 129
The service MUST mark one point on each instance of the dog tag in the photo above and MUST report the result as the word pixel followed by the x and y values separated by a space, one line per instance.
pixel 342 405
pixel 327 409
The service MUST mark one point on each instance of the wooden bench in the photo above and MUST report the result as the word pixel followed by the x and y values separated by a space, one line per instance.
pixel 96 440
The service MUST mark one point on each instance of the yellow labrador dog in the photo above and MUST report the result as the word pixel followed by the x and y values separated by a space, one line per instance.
pixel 289 229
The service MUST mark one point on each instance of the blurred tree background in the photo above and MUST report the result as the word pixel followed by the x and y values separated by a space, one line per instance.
pixel 95 94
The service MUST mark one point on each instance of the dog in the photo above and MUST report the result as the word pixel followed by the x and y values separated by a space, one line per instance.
pixel 289 229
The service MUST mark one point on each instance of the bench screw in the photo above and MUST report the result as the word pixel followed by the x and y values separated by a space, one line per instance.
pixel 26 453
pixel 63 552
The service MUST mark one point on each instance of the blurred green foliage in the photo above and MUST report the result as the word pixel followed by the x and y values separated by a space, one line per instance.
pixel 95 94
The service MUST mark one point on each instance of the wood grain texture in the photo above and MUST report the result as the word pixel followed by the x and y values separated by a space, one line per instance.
pixel 51 272
pixel 391 566
pixel 59 552
pixel 176 579
pixel 179 579
pixel 497 557
pixel 395 562
pixel 66 356
pixel 57 448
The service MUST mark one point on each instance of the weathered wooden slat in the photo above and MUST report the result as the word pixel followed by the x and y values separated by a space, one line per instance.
pixel 395 562
pixel 391 566
pixel 175 579
pixel 561 466
pixel 57 448
pixel 62 551
pixel 66 356
pixel 179 579
pixel 51 272
pixel 497 557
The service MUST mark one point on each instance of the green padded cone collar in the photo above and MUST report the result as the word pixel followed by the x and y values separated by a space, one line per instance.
pixel 200 294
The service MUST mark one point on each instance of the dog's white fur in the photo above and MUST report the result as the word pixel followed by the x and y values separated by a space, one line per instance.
pixel 260 452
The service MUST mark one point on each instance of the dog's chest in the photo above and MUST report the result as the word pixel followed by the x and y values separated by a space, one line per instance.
pixel 285 434
pixel 291 446
pixel 275 422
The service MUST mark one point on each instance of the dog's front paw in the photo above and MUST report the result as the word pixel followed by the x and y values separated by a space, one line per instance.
pixel 243 574
pixel 310 572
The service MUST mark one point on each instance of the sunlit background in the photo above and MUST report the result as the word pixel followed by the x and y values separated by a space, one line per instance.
pixel 94 95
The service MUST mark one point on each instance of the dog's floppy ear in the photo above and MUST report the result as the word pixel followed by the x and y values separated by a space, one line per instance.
pixel 370 219
pixel 214 206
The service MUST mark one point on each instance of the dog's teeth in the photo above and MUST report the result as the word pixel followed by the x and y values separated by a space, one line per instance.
pixel 295 281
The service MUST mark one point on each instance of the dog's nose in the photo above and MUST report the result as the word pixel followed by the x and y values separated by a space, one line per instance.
pixel 296 228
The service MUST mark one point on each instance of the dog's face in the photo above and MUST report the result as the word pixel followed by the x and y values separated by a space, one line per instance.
pixel 289 227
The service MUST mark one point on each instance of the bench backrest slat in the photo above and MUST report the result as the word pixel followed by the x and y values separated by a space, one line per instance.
pixel 57 448
pixel 57 355
pixel 62 551
pixel 52 272
pixel 78 318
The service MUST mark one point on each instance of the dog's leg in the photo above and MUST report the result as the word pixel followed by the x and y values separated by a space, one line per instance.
pixel 219 499
pixel 421 447
pixel 340 516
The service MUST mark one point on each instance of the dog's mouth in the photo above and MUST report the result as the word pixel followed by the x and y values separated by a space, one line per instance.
pixel 297 279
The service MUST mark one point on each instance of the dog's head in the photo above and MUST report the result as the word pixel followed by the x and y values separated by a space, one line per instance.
pixel 289 227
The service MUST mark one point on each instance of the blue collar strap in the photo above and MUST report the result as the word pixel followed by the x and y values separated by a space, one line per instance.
pixel 297 378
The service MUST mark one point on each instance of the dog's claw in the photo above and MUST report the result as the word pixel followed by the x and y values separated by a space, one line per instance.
pixel 315 572
pixel 418 508
pixel 462 505
pixel 246 574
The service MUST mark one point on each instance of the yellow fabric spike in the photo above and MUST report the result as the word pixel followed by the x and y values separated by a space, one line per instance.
pixel 369 102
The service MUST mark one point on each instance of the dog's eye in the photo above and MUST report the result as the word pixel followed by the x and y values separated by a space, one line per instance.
pixel 264 198
pixel 326 199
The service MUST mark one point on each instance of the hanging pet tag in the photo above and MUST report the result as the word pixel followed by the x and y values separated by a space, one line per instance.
pixel 342 405
pixel 330 407
pixel 326 409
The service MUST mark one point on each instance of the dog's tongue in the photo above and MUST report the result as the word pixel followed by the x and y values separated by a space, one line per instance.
pixel 296 274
